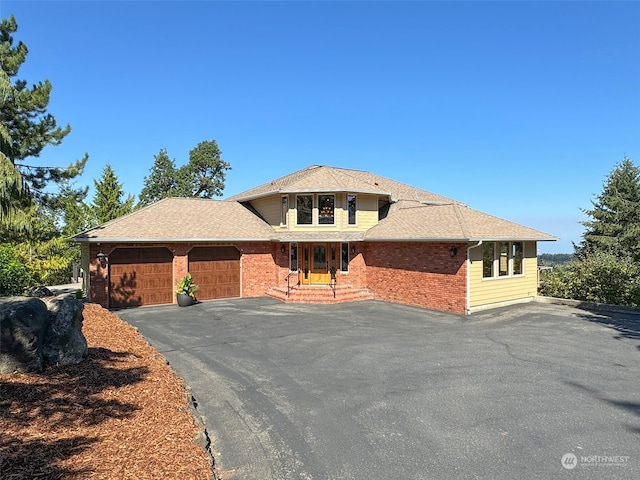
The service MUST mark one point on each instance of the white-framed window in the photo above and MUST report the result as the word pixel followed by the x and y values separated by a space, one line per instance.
pixel 326 209
pixel 344 257
pixel 488 257
pixel 284 210
pixel 352 210
pixel 293 257
pixel 304 209
pixel 502 259
pixel 517 256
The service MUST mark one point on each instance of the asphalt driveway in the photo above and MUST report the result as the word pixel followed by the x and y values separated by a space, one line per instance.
pixel 374 390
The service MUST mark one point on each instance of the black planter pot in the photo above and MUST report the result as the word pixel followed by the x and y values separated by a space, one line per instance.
pixel 185 300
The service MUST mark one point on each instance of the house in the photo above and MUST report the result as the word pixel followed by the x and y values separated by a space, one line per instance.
pixel 321 234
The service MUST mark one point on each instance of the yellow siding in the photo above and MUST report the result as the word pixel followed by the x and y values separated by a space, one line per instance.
pixel 367 212
pixel 269 208
pixel 503 289
pixel 367 215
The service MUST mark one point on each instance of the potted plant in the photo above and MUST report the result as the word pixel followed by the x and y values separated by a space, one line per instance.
pixel 186 291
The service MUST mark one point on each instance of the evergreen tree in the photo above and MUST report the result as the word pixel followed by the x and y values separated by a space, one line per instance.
pixel 615 217
pixel 107 201
pixel 26 129
pixel 162 180
pixel 74 215
pixel 205 173
pixel 14 198
pixel 203 176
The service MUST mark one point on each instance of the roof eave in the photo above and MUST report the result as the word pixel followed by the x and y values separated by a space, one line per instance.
pixel 417 239
pixel 513 239
pixel 458 239
pixel 170 240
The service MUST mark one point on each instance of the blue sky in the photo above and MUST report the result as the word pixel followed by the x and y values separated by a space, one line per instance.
pixel 519 109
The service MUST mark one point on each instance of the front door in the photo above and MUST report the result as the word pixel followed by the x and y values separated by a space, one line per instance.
pixel 319 272
pixel 317 261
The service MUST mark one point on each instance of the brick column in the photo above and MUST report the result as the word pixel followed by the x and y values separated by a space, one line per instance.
pixel 180 263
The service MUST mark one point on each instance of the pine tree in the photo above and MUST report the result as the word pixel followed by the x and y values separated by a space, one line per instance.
pixel 14 198
pixel 205 173
pixel 615 217
pixel 26 128
pixel 203 176
pixel 74 215
pixel 161 182
pixel 107 201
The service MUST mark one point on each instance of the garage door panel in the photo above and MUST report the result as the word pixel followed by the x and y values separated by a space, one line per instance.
pixel 216 271
pixel 140 276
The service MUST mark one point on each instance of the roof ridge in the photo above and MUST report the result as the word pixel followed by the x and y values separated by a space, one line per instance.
pixel 461 221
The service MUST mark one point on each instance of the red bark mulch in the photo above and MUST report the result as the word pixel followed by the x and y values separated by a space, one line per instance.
pixel 120 414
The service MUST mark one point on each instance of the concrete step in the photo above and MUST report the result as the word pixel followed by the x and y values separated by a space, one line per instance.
pixel 320 294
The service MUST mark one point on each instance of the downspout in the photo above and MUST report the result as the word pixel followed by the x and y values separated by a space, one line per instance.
pixel 469 273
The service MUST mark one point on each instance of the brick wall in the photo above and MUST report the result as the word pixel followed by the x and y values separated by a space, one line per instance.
pixel 417 273
pixel 262 265
pixel 357 275
pixel 98 276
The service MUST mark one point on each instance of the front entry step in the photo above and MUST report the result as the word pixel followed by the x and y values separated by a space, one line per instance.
pixel 320 294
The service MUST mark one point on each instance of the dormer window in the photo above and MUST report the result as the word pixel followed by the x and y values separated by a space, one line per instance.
pixel 326 209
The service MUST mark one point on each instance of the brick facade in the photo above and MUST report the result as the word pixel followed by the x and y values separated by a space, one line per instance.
pixel 412 273
pixel 418 273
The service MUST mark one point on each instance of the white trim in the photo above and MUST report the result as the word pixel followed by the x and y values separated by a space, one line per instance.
pixel 312 210
pixel 467 308
pixel 496 261
pixel 333 224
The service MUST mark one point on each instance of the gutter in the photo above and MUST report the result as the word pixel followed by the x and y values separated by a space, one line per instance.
pixel 169 240
pixel 469 274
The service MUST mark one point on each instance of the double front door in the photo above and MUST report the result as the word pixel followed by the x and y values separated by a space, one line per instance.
pixel 318 263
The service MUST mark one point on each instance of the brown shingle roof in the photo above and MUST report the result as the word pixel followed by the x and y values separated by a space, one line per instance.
pixel 416 215
pixel 412 220
pixel 321 178
pixel 182 219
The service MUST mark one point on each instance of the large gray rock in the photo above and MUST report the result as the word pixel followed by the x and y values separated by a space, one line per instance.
pixel 35 332
pixel 63 340
pixel 23 322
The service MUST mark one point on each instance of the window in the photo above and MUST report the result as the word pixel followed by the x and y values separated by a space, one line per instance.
pixel 351 208
pixel 284 212
pixel 326 211
pixel 487 260
pixel 502 259
pixel 304 207
pixel 518 256
pixel 293 257
pixel 344 257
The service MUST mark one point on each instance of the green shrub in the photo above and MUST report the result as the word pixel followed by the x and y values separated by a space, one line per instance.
pixel 599 277
pixel 15 277
pixel 50 262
